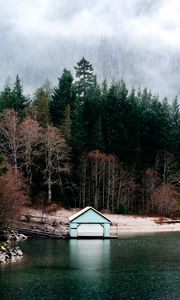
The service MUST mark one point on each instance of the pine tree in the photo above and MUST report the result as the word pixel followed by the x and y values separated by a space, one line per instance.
pixel 175 112
pixel 92 118
pixel 114 118
pixel 41 105
pixel 84 71
pixel 175 119
pixel 67 123
pixel 6 98
pixel 77 132
pixel 20 102
pixel 64 95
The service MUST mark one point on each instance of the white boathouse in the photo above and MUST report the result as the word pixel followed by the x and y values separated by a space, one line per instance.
pixel 89 223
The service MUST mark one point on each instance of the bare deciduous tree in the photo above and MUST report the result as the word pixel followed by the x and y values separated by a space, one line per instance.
pixel 165 197
pixel 57 158
pixel 29 133
pixel 151 181
pixel 126 186
pixel 13 195
pixel 10 135
pixel 105 183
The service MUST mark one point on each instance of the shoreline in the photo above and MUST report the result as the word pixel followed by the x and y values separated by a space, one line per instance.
pixel 56 223
pixel 8 251
pixel 125 224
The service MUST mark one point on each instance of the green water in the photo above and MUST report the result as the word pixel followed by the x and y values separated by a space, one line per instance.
pixel 140 267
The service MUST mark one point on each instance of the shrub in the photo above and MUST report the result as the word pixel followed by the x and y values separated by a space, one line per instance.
pixel 28 218
pixel 121 209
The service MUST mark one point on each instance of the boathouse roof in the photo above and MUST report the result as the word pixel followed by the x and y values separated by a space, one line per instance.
pixel 86 209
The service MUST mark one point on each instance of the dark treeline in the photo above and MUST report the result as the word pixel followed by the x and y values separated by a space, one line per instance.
pixel 82 143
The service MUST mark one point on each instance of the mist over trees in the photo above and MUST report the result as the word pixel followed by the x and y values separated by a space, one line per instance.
pixel 83 143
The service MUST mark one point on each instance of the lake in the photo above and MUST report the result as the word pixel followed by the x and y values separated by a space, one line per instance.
pixel 131 267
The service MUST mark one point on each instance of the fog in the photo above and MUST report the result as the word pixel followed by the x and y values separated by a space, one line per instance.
pixel 137 40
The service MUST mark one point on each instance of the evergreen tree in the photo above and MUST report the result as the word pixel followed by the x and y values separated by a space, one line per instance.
pixel 67 123
pixel 92 118
pixel 114 118
pixel 133 129
pixel 78 133
pixel 64 95
pixel 41 105
pixel 166 125
pixel 175 113
pixel 104 89
pixel 84 71
pixel 175 117
pixel 145 97
pixel 20 102
pixel 150 130
pixel 6 98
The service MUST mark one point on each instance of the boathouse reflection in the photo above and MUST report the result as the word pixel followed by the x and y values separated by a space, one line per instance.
pixel 89 253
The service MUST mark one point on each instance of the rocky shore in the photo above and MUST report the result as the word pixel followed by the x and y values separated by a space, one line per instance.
pixel 8 253
pixel 14 236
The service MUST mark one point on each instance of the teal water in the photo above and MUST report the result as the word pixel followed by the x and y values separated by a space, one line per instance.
pixel 140 267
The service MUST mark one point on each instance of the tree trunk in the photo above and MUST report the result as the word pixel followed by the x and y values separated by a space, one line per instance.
pixel 49 190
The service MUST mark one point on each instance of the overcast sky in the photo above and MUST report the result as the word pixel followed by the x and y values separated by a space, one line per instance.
pixel 137 40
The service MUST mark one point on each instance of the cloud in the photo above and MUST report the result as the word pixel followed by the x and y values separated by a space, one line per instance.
pixel 138 40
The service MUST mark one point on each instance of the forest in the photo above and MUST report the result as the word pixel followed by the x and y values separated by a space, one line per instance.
pixel 89 143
